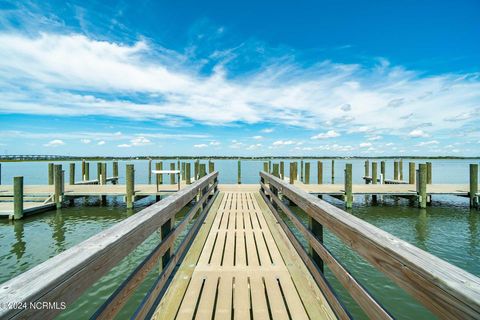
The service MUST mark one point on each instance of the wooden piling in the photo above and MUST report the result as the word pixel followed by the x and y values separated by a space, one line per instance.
pixel 83 170
pixel 292 172
pixel 211 166
pixel 50 173
pixel 72 173
pixel 58 185
pixel 400 168
pixel 306 177
pixel 411 173
pixel 115 171
pixel 87 171
pixel 333 171
pixel 348 186
pixel 276 170
pixel 130 185
pixel 188 173
pixel 99 171
pixel 183 171
pixel 195 169
pixel 395 170
pixel 429 173
pixel 202 170
pixel 239 172
pixel 158 176
pixel 374 172
pixel 473 185
pixel 282 170
pixel 17 198
pixel 265 167
pixel 172 175
pixel 149 171
pixel 422 185
pixel 104 173
pixel 319 172
pixel 382 171
pixel 367 170
pixel 0 174
pixel 302 176
pixel 269 165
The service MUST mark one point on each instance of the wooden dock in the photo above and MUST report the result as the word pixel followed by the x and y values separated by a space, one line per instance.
pixel 239 259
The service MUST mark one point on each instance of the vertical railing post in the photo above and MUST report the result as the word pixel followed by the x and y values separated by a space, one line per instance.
pixel 348 185
pixel 411 172
pixel 317 230
pixel 211 166
pixel 165 229
pixel 83 170
pixel 104 173
pixel 292 173
pixel 58 184
pixel 319 172
pixel 374 172
pixel 239 172
pixel 130 185
pixel 473 185
pixel 183 171
pixel 395 170
pixel 202 170
pixel 302 176
pixel 50 174
pixel 276 170
pixel 195 169
pixel 188 173
pixel 265 167
pixel 422 185
pixel 87 171
pixel 17 198
pixel 159 176
pixel 307 173
pixel 72 173
pixel 400 169
pixel 99 172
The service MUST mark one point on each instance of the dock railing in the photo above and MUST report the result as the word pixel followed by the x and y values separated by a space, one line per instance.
pixel 446 290
pixel 65 277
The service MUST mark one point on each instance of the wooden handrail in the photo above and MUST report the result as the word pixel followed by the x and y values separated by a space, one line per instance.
pixel 448 291
pixel 66 276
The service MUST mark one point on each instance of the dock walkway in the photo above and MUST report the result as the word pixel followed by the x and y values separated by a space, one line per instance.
pixel 241 270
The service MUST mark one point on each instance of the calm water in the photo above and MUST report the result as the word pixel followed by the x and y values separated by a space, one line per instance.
pixel 447 229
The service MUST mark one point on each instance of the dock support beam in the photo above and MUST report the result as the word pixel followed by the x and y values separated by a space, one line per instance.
pixel 17 198
pixel 72 173
pixel 202 170
pixel 211 166
pixel 104 173
pixel 306 177
pixel 265 167
pixel 333 171
pixel 195 169
pixel 58 185
pixel 115 171
pixel 183 171
pixel 276 172
pixel 382 171
pixel 292 173
pixel 149 171
pixel 395 170
pixel 50 174
pixel 367 170
pixel 411 173
pixel 374 172
pixel 429 173
pixel 348 185
pixel 319 172
pixel 130 185
pixel 473 185
pixel 422 185
pixel 87 171
pixel 400 168
pixel 282 170
pixel 188 172
pixel 172 175
pixel 239 172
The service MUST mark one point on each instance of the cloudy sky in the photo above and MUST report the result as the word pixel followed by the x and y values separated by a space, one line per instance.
pixel 216 78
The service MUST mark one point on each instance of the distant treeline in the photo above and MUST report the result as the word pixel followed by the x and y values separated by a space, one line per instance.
pixel 13 158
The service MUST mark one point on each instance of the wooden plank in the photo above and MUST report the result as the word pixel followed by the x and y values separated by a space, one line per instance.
pixel 259 301
pixel 207 300
pixel 241 298
pixel 224 303
pixel 275 299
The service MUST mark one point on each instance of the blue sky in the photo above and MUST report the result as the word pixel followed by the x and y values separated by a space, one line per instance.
pixel 246 78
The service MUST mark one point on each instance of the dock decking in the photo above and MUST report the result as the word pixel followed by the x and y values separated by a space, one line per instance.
pixel 241 271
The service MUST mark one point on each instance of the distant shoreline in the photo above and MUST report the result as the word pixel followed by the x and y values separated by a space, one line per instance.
pixel 20 158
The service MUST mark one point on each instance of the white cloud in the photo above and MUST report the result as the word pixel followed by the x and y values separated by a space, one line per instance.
pixel 365 144
pixel 257 137
pixel 254 146
pixel 214 143
pixel 124 145
pixel 85 141
pixel 201 145
pixel 326 135
pixel 101 143
pixel 45 75
pixel 427 143
pixel 139 141
pixel 283 142
pixel 417 133
pixel 54 143
pixel 374 138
